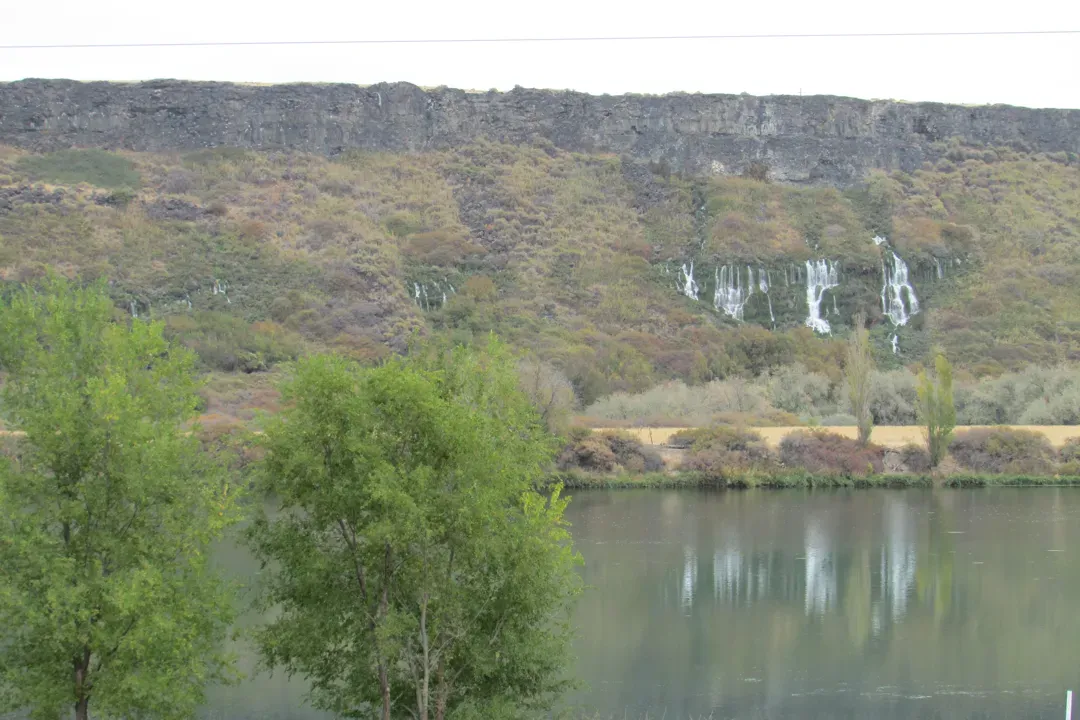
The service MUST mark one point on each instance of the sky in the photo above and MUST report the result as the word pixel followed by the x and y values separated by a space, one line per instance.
pixel 1033 71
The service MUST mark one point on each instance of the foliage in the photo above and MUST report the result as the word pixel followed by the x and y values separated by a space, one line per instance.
pixel 822 452
pixel 794 389
pixel 1003 450
pixel 936 410
pixel 1033 396
pixel 915 458
pixel 725 452
pixel 857 372
pixel 1070 450
pixel 893 398
pixel 674 403
pixel 609 451
pixel 227 343
pixel 71 167
pixel 550 392
pixel 106 516
pixel 415 568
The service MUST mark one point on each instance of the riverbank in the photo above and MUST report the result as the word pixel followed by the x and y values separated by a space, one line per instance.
pixel 692 480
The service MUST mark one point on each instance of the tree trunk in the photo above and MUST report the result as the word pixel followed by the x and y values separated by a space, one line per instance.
pixel 384 686
pixel 384 605
pixel 441 693
pixel 82 692
pixel 426 681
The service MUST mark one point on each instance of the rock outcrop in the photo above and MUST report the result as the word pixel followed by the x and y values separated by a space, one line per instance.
pixel 816 139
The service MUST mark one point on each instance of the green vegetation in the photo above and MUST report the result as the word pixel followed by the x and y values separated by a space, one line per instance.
pixel 107 514
pixel 572 258
pixel 857 373
pixel 415 568
pixel 1011 451
pixel 71 167
pixel 936 409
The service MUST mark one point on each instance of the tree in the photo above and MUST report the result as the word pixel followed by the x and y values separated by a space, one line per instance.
pixel 550 392
pixel 858 371
pixel 936 409
pixel 106 514
pixel 415 568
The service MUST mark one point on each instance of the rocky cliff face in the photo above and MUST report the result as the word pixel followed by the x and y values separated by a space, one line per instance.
pixel 798 139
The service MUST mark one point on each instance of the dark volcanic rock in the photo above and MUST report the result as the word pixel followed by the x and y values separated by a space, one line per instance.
pixel 28 195
pixel 799 139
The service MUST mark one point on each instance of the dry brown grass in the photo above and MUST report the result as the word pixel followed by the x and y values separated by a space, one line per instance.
pixel 893 436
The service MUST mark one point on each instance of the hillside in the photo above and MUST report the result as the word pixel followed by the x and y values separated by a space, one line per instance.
pixel 621 272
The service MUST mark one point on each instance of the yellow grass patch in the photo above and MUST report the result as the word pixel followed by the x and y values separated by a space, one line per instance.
pixel 888 435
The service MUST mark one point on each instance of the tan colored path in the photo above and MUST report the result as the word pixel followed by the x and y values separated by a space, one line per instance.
pixel 887 435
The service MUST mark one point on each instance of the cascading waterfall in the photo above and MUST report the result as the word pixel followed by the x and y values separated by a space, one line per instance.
pixel 222 288
pixel 134 310
pixel 821 275
pixel 893 302
pixel 763 284
pixel 730 295
pixel 438 296
pixel 685 282
pixel 898 300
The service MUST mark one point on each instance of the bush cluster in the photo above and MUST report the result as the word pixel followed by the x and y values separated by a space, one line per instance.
pixel 1003 450
pixel 228 343
pixel 724 452
pixel 826 453
pixel 610 451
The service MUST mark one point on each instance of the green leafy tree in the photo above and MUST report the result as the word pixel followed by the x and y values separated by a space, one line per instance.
pixel 936 410
pixel 106 514
pixel 857 371
pixel 416 570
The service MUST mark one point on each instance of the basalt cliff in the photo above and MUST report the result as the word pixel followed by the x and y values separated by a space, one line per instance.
pixel 798 139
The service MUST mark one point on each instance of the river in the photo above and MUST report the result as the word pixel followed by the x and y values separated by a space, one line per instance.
pixel 791 604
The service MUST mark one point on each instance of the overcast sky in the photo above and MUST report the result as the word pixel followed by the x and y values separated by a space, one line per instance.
pixel 1036 71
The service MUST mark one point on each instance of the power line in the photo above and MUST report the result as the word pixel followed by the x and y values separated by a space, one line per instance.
pixel 432 41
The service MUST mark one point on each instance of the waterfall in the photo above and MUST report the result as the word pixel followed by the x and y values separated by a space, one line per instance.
pixel 895 342
pixel 134 310
pixel 685 283
pixel 895 272
pixel 821 275
pixel 221 288
pixel 730 296
pixel 940 271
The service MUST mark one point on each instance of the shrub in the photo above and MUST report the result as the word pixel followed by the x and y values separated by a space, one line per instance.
pixel 1003 450
pixel 893 398
pixel 71 167
pixel 724 452
pixel 794 389
pixel 608 451
pixel 680 403
pixel 827 453
pixel 226 342
pixel 915 458
pixel 1070 450
pixel 838 420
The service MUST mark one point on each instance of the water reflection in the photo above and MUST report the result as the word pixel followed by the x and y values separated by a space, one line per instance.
pixel 883 604
pixel 828 604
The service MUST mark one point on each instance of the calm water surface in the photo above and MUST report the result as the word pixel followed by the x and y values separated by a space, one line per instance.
pixel 839 604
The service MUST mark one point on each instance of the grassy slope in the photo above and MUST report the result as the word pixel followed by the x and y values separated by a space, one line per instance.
pixel 568 255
